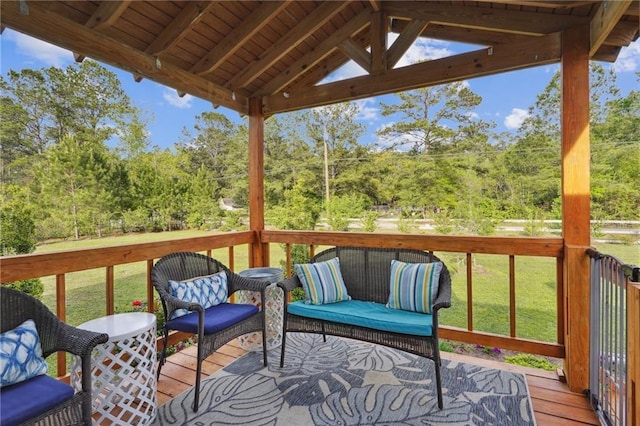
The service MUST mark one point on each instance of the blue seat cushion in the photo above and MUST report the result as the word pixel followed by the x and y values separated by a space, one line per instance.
pixel 28 399
pixel 367 314
pixel 216 318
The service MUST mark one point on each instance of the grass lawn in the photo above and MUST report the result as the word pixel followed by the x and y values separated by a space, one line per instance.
pixel 536 316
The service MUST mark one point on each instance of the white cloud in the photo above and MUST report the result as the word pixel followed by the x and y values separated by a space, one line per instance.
pixel 367 110
pixel 171 96
pixel 515 119
pixel 473 115
pixel 629 58
pixel 424 49
pixel 39 50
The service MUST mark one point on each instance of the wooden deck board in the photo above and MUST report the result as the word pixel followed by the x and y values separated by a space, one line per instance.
pixel 553 402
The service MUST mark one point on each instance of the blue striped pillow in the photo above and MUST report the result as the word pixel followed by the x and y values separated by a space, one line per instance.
pixel 414 286
pixel 322 282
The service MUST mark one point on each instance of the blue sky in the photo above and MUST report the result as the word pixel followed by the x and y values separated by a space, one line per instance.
pixel 506 97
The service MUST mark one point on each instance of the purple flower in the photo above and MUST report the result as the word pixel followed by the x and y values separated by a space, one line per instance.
pixel 497 351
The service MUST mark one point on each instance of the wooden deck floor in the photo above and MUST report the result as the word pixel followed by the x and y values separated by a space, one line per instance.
pixel 553 403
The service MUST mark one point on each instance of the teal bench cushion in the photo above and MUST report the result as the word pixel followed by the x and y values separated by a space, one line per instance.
pixel 367 314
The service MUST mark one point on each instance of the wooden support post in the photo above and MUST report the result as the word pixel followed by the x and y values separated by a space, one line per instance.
pixel 259 255
pixel 575 203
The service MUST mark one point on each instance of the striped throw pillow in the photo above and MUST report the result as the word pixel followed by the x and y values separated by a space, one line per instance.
pixel 414 286
pixel 322 282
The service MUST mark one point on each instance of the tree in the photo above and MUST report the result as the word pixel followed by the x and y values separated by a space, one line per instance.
pixel 334 133
pixel 18 232
pixel 429 118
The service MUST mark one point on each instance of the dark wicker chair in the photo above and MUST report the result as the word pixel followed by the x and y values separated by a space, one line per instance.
pixel 367 273
pixel 55 335
pixel 187 265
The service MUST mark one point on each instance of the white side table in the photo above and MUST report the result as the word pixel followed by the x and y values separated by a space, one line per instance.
pixel 273 308
pixel 123 370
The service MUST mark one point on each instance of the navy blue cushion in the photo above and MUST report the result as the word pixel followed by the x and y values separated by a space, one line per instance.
pixel 28 399
pixel 216 318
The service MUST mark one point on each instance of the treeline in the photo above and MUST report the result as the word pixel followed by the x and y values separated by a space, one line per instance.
pixel 77 161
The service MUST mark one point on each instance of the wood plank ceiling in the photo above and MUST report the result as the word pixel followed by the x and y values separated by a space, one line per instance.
pixel 229 51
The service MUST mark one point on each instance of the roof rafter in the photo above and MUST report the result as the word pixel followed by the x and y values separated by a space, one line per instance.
pixel 179 27
pixel 78 38
pixel 356 53
pixel 461 34
pixel 288 42
pixel 536 51
pixel 604 21
pixel 519 22
pixel 410 33
pixel 107 13
pixel 314 56
pixel 238 36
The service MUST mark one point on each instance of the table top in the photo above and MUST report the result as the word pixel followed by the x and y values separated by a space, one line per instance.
pixel 121 326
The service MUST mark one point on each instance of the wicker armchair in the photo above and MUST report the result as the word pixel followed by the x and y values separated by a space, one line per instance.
pixel 55 335
pixel 211 325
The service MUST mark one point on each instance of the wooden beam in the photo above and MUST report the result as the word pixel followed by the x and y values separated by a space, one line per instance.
pixel 70 35
pixel 309 60
pixel 256 180
pixel 107 14
pixel 604 21
pixel 357 53
pixel 507 20
pixel 288 42
pixel 410 33
pixel 238 36
pixel 378 42
pixel 180 26
pixel 576 228
pixel 537 51
pixel 462 34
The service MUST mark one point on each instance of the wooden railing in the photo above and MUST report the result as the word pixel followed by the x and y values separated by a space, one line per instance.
pixel 59 264
pixel 511 247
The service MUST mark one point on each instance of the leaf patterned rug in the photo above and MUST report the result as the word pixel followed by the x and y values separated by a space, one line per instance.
pixel 348 382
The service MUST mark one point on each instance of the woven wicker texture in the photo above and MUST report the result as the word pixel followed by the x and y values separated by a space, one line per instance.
pixel 187 265
pixel 366 273
pixel 55 335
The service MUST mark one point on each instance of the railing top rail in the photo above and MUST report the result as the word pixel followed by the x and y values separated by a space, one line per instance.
pixel 526 246
pixel 631 272
pixel 19 267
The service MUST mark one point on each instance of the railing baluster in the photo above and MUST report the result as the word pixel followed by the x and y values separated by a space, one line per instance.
pixel 512 295
pixel 150 294
pixel 232 258
pixel 560 301
pixel 61 311
pixel 110 290
pixel 469 292
pixel 288 250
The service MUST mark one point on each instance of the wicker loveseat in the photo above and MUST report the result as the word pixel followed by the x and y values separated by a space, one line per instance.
pixel 367 273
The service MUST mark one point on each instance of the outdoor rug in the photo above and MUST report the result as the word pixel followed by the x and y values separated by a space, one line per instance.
pixel 348 382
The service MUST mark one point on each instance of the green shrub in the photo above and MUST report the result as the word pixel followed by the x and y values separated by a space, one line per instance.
pixel 446 346
pixel 297 294
pixel 32 286
pixel 528 360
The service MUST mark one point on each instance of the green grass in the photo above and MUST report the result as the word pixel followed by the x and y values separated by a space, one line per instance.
pixel 535 285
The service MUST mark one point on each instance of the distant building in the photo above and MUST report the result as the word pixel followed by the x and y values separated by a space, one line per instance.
pixel 226 204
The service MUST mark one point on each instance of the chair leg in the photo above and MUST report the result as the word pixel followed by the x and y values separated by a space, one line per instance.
pixel 196 401
pixel 264 343
pixel 324 335
pixel 163 355
pixel 438 383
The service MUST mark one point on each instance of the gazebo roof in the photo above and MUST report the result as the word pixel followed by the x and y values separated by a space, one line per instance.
pixel 229 51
